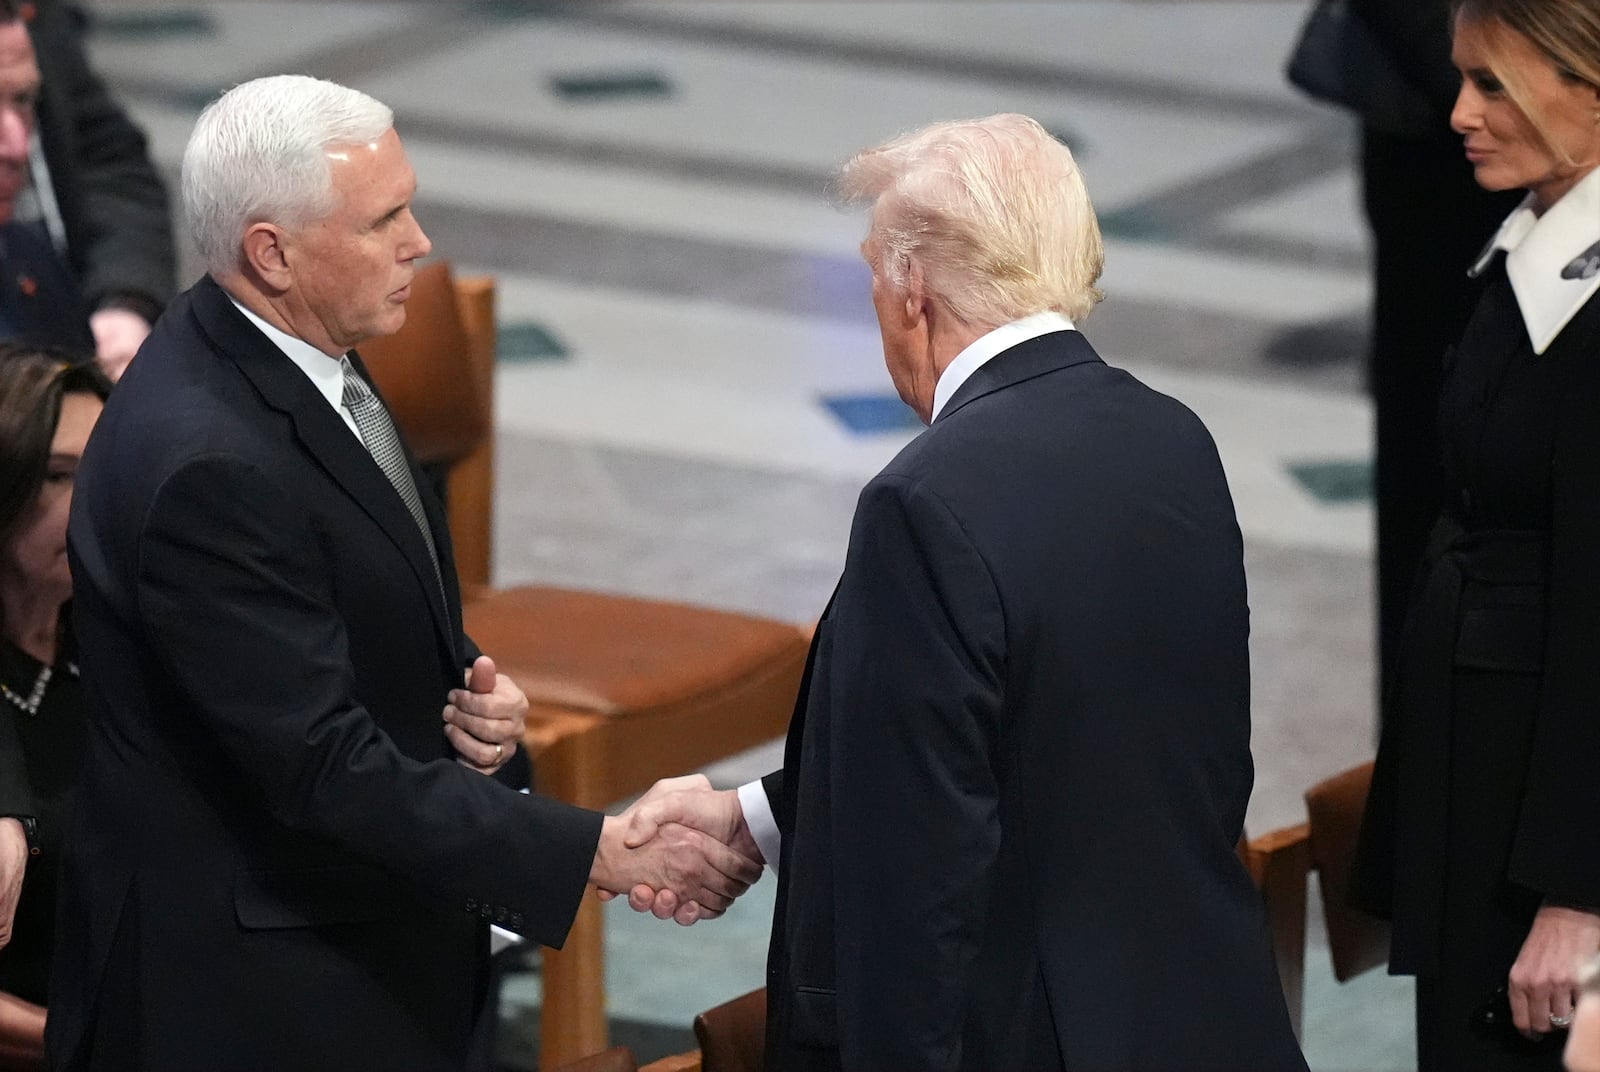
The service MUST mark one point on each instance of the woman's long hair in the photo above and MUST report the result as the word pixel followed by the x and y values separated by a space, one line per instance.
pixel 33 381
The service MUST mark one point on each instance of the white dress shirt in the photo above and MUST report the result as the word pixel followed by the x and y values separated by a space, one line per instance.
pixel 1539 249
pixel 324 372
pixel 752 797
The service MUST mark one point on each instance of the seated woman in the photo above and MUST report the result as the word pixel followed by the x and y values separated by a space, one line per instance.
pixel 47 409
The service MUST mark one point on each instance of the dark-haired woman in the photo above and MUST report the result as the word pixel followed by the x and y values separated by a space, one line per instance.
pixel 47 409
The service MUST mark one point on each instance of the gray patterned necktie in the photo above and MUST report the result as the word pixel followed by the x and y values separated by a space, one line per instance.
pixel 383 443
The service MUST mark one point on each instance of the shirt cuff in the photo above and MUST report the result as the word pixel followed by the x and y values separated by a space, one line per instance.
pixel 758 817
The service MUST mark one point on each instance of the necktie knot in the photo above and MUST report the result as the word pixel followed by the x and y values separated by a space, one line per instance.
pixel 355 388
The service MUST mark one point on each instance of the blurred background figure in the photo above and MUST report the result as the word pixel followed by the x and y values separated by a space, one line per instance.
pixel 1428 218
pixel 47 409
pixel 1475 840
pixel 87 252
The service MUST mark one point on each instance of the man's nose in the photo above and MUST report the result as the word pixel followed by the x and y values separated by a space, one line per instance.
pixel 15 128
pixel 423 245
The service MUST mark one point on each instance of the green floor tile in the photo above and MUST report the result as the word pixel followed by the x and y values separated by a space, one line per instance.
pixel 1134 226
pixel 176 22
pixel 1333 482
pixel 611 85
pixel 528 341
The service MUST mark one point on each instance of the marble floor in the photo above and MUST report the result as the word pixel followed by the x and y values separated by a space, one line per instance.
pixel 690 391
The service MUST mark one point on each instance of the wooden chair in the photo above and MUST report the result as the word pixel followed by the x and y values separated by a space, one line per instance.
pixel 733 1036
pixel 1280 862
pixel 621 691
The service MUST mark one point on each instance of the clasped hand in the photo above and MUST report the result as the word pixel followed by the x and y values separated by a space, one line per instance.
pixel 1544 980
pixel 484 721
pixel 682 851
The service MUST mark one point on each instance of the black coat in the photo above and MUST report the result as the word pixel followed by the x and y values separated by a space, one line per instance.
pixel 113 202
pixel 1019 763
pixel 275 862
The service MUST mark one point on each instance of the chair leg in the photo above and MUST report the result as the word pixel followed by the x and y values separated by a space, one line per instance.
pixel 573 1019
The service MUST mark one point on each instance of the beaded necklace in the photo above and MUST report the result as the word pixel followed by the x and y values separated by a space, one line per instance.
pixel 29 705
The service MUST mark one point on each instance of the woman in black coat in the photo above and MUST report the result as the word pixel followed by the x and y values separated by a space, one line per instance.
pixel 47 409
pixel 1476 839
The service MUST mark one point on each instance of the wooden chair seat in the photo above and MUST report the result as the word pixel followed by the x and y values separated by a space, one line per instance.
pixel 621 691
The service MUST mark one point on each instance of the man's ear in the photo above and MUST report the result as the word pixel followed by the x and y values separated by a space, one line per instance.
pixel 266 256
pixel 916 302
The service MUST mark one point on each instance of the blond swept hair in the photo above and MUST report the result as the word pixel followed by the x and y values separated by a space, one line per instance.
pixel 1567 32
pixel 993 212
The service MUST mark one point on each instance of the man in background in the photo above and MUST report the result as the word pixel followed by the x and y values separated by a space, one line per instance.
pixel 87 258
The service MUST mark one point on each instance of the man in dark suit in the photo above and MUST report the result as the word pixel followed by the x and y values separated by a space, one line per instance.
pixel 40 301
pixel 281 857
pixel 1018 767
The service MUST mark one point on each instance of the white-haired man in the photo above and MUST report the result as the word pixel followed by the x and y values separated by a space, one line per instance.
pixel 1020 758
pixel 275 864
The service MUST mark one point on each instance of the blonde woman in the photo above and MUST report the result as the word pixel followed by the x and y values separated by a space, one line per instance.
pixel 1475 840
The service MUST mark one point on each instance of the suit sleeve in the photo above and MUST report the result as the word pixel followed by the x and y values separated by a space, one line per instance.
pixel 236 601
pixel 915 693
pixel 1551 853
pixel 113 201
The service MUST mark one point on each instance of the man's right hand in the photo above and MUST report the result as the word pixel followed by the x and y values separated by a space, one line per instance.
pixel 13 861
pixel 644 849
pixel 693 803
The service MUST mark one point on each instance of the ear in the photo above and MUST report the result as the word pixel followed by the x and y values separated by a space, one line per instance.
pixel 915 309
pixel 266 256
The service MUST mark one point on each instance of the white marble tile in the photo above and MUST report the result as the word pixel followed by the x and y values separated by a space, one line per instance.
pixel 736 386
pixel 750 107
pixel 1327 211
pixel 1234 46
pixel 251 38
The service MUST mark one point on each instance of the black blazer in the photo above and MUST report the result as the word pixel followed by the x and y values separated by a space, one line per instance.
pixel 275 862
pixel 1018 767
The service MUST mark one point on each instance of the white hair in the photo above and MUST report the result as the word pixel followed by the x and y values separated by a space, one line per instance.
pixel 993 212
pixel 259 153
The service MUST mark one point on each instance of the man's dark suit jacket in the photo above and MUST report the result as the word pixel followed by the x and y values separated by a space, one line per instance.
pixel 1019 763
pixel 275 863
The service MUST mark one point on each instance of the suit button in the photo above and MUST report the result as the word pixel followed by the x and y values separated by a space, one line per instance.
pixel 472 905
pixel 516 919
pixel 500 915
pixel 484 911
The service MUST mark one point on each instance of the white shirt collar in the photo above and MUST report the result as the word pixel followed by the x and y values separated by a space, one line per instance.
pixel 990 345
pixel 325 373
pixel 1547 257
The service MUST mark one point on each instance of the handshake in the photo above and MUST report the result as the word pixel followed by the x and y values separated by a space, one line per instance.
pixel 682 851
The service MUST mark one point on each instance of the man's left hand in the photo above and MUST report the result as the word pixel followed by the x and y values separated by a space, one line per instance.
pixel 484 721
pixel 118 334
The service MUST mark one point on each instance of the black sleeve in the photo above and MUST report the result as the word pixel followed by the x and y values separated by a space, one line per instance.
pixel 1552 852
pixel 917 652
pixel 113 201
pixel 225 582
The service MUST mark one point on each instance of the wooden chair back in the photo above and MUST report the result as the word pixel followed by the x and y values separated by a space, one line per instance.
pixel 1358 942
pixel 733 1035
pixel 1278 862
pixel 437 376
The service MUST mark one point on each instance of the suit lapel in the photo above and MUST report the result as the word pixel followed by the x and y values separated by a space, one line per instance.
pixel 1024 361
pixel 327 439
